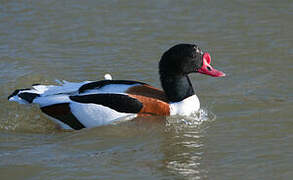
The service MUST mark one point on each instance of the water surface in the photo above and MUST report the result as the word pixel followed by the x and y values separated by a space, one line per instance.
pixel 247 129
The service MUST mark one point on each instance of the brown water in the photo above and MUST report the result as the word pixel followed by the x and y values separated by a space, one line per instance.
pixel 247 131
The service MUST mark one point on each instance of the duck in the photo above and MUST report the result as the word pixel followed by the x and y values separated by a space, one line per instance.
pixel 78 105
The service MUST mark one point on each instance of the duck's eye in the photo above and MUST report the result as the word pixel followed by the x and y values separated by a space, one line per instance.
pixel 198 50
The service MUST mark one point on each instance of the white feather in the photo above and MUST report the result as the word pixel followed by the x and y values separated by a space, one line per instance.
pixel 41 88
pixel 185 107
pixel 91 115
pixel 67 87
pixel 53 99
pixel 108 77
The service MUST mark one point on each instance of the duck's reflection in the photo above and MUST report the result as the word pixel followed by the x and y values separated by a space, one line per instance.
pixel 183 148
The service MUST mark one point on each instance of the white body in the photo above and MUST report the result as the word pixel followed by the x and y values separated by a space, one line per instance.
pixel 91 115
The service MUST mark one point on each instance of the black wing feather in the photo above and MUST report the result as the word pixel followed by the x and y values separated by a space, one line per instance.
pixel 100 84
pixel 119 102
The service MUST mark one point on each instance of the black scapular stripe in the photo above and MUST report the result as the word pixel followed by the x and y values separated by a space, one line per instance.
pixel 100 84
pixel 63 113
pixel 29 97
pixel 118 102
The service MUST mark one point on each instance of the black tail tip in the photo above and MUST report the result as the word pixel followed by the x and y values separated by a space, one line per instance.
pixel 29 97
pixel 14 93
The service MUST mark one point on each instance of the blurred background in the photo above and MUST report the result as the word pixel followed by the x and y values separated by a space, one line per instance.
pixel 244 130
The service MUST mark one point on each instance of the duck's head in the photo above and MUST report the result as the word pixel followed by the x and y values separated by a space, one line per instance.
pixel 183 59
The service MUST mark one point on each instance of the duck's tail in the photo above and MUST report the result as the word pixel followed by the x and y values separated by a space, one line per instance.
pixel 27 95
pixel 41 93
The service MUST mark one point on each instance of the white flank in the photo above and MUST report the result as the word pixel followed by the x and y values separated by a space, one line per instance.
pixel 185 107
pixel 91 115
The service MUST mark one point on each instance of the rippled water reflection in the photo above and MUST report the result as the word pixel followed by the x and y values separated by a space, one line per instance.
pixel 245 128
pixel 186 144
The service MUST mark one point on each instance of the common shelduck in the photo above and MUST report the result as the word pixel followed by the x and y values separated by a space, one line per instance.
pixel 94 103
